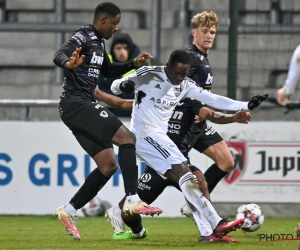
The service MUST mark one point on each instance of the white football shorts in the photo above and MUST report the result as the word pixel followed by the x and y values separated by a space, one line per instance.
pixel 159 152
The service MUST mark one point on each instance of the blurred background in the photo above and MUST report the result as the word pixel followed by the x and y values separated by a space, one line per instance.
pixel 257 37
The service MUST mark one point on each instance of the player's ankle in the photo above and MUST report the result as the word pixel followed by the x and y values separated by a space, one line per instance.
pixel 137 235
pixel 132 198
pixel 70 209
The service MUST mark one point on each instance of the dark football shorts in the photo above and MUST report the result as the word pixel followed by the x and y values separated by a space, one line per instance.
pixel 151 185
pixel 92 124
pixel 207 139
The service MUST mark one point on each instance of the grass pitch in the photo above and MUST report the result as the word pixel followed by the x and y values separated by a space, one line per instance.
pixel 45 232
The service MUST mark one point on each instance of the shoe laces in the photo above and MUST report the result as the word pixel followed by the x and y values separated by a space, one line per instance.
pixel 73 219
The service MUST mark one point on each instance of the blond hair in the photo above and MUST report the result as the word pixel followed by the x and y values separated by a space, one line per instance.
pixel 205 19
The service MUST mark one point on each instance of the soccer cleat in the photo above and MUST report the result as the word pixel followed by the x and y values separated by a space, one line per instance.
pixel 126 235
pixel 224 227
pixel 140 207
pixel 213 238
pixel 69 221
pixel 117 223
pixel 184 210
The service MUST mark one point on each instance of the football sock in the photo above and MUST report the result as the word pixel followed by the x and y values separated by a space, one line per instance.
pixel 134 222
pixel 117 212
pixel 196 200
pixel 93 183
pixel 140 233
pixel 70 209
pixel 127 162
pixel 132 198
pixel 202 224
pixel 213 175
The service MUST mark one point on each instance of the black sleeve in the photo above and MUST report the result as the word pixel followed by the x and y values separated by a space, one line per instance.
pixel 78 39
pixel 109 69
pixel 63 54
pixel 196 106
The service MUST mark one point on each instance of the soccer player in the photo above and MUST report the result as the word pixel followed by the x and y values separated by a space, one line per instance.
pixel 83 58
pixel 284 94
pixel 151 184
pixel 158 90
pixel 204 27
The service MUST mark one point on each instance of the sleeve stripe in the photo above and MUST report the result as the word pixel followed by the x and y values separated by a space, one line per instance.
pixel 145 70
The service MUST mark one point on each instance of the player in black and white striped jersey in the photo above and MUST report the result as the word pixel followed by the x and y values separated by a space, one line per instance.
pixel 158 90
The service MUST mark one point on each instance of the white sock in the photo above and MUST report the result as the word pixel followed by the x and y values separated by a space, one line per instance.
pixel 202 223
pixel 117 212
pixel 140 233
pixel 70 209
pixel 132 198
pixel 196 200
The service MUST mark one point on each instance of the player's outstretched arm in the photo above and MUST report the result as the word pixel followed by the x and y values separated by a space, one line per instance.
pixel 221 102
pixel 284 94
pixel 113 101
pixel 221 118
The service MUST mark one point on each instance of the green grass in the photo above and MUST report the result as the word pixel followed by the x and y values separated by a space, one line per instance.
pixel 45 232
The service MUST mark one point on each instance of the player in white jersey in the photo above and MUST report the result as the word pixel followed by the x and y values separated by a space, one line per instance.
pixel 157 91
pixel 284 94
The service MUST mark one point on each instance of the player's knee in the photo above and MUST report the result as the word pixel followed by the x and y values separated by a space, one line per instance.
pixel 109 169
pixel 129 138
pixel 227 166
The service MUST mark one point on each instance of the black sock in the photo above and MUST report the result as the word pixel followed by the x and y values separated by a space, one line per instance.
pixel 93 183
pixel 134 222
pixel 213 175
pixel 127 162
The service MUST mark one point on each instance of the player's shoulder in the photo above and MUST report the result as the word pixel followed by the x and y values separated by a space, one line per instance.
pixel 189 82
pixel 146 69
pixel 197 57
pixel 85 35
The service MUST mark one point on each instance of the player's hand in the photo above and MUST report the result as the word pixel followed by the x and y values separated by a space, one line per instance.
pixel 282 97
pixel 256 100
pixel 198 119
pixel 75 59
pixel 243 117
pixel 127 86
pixel 142 58
pixel 97 91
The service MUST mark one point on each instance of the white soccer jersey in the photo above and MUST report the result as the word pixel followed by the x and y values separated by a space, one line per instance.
pixel 293 76
pixel 155 98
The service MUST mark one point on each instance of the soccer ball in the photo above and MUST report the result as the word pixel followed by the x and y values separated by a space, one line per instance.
pixel 94 207
pixel 253 215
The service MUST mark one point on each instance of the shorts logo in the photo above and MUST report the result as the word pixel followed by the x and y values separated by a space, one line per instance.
pixel 238 151
pixel 98 106
pixel 146 177
pixel 103 114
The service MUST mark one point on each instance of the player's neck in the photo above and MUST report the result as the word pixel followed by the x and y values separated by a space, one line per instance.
pixel 203 50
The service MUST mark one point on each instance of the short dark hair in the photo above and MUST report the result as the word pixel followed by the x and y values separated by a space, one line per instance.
pixel 179 56
pixel 107 8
